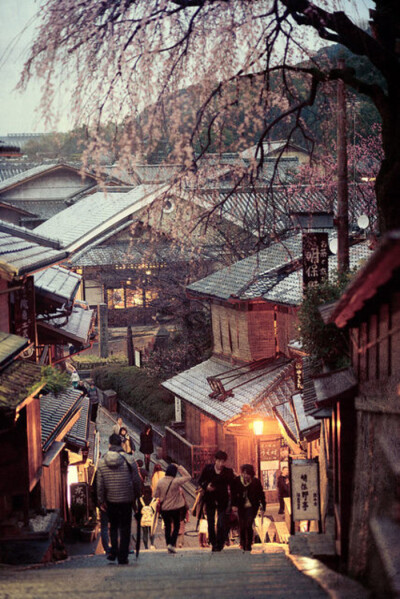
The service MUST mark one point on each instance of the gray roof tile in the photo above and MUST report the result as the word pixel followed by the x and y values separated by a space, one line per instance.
pixel 268 274
pixel 55 411
pixel 193 387
pixel 58 281
pixel 92 214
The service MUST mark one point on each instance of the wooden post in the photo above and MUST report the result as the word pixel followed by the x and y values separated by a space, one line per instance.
pixel 102 323
pixel 342 179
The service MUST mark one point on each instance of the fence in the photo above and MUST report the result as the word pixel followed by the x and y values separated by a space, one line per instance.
pixel 192 457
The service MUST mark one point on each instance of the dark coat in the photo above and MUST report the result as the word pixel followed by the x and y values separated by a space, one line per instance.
pixel 146 443
pixel 254 492
pixel 283 486
pixel 222 482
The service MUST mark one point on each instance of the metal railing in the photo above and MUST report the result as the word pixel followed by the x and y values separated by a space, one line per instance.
pixel 192 457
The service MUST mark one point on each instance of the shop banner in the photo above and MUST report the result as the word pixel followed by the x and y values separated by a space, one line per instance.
pixel 304 486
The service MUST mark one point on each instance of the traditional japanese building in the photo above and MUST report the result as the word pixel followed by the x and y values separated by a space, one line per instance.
pixel 365 422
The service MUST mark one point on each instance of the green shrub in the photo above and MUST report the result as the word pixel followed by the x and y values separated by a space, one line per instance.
pixel 140 391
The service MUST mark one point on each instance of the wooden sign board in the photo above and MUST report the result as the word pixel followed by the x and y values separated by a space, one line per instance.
pixel 315 258
pixel 304 489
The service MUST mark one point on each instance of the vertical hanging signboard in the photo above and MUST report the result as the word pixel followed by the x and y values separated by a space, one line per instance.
pixel 24 311
pixel 315 258
pixel 304 491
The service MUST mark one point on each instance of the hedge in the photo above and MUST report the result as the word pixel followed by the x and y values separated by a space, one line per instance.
pixel 141 392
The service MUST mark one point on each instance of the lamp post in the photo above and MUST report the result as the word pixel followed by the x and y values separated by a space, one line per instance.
pixel 258 428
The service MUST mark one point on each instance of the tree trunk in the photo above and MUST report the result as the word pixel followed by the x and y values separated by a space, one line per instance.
pixel 387 184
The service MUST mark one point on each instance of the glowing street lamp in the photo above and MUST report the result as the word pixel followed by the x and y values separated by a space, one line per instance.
pixel 258 427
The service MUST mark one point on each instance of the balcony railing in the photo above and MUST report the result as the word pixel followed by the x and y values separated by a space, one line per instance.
pixel 192 457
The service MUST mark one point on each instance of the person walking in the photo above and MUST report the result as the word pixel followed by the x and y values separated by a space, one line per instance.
pixel 104 532
pixel 168 491
pixel 118 488
pixel 247 497
pixel 127 444
pixel 158 473
pixel 94 401
pixel 148 508
pixel 216 481
pixel 146 445
pixel 283 489
pixel 118 425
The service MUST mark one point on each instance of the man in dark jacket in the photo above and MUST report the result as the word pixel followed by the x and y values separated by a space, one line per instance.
pixel 247 497
pixel 216 480
pixel 118 489
pixel 283 489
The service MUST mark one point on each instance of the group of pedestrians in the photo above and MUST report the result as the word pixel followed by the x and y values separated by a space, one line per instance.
pixel 124 484
pixel 223 493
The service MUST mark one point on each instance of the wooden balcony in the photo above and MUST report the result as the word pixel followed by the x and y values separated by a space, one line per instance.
pixel 192 457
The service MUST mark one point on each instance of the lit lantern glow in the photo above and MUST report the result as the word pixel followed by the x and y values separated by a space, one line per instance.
pixel 258 427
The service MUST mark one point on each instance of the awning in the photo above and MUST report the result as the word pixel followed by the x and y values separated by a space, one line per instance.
pixel 56 285
pixel 76 330
pixel 52 453
pixel 332 386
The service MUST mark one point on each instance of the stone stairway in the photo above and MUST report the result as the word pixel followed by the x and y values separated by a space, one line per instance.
pixel 231 574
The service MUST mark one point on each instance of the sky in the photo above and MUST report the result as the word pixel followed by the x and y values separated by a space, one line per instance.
pixel 18 112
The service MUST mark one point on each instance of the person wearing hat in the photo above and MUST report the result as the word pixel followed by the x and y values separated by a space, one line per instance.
pixel 168 491
pixel 247 497
pixel 216 480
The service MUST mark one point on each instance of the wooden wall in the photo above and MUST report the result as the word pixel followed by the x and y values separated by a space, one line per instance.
pixel 4 308
pixel 375 342
pixel 34 433
pixel 252 330
pixel 51 485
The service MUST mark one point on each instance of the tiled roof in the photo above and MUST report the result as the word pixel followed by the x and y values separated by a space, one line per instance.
pixel 156 173
pixel 235 280
pixel 30 173
pixel 306 422
pixel 94 214
pixel 77 329
pixel 23 252
pixel 78 434
pixel 43 209
pixel 9 169
pixel 26 174
pixel 56 411
pixel 285 415
pixel 16 381
pixel 274 274
pixel 10 346
pixel 262 392
pixel 58 282
pixel 309 395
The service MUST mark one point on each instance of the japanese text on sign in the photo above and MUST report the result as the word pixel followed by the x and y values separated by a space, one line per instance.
pixel 305 490
pixel 315 258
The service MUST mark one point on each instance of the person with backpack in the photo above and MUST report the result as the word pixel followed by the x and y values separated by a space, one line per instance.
pixel 148 510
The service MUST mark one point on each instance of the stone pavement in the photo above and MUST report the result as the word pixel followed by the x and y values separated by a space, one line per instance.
pixel 231 574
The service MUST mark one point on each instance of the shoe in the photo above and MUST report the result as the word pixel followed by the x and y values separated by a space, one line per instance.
pixel 152 547
pixel 215 548
pixel 123 562
pixel 171 549
pixel 111 557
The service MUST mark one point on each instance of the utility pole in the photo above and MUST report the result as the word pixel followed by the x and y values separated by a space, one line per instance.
pixel 342 178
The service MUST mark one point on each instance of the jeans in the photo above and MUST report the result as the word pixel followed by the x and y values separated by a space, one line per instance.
pixel 246 519
pixel 171 517
pixel 104 535
pixel 120 516
pixel 146 534
pixel 218 539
